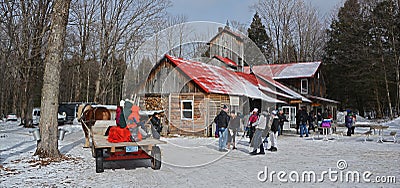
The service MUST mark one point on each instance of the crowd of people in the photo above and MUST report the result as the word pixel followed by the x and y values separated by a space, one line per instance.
pixel 259 128
pixel 265 126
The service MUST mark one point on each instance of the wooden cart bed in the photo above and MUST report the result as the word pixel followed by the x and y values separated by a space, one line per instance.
pixel 100 141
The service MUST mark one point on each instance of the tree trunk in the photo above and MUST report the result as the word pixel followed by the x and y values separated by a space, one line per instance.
pixel 398 85
pixel 378 102
pixel 48 145
pixel 388 92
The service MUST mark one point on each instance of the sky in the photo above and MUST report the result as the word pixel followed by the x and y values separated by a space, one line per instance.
pixel 239 10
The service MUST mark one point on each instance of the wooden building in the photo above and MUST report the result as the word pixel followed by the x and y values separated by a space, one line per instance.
pixel 228 44
pixel 298 84
pixel 192 93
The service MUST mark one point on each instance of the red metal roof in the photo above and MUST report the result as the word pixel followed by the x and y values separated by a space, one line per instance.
pixel 213 79
pixel 226 60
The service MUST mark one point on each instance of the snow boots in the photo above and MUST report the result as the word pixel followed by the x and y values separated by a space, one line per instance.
pixel 272 149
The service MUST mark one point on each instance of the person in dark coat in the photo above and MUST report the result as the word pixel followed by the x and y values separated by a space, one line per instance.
pixel 274 132
pixel 282 119
pixel 303 115
pixel 311 119
pixel 233 128
pixel 349 122
pixel 222 120
pixel 156 125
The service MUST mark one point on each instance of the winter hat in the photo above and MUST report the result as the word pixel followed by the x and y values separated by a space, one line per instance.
pixel 225 107
pixel 274 112
pixel 255 110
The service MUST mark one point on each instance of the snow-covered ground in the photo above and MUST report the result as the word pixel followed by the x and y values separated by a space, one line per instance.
pixel 195 162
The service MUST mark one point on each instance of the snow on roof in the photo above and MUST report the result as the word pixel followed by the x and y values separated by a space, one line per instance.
pixel 213 79
pixel 226 60
pixel 264 73
pixel 324 99
pixel 293 70
pixel 264 87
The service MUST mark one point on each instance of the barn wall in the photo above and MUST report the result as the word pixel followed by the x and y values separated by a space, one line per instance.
pixel 227 45
pixel 206 107
pixel 184 126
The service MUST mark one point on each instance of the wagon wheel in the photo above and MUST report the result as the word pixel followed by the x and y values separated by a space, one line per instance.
pixel 99 161
pixel 156 158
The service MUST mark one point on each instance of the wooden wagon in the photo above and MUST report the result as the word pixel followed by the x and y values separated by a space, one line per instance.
pixel 103 150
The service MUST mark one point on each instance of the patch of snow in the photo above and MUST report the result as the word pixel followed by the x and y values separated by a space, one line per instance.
pixel 196 162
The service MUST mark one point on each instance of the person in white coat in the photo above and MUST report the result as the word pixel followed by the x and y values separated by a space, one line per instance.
pixel 261 129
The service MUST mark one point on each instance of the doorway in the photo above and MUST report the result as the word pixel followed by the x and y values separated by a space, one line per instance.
pixel 255 103
pixel 290 113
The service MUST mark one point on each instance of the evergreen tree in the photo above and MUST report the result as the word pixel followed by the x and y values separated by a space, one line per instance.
pixel 345 54
pixel 383 50
pixel 362 64
pixel 259 36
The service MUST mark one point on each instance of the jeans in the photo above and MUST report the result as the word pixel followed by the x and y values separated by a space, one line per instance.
pixel 303 129
pixel 223 137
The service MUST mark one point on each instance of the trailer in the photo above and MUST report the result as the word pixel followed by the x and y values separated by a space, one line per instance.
pixel 104 151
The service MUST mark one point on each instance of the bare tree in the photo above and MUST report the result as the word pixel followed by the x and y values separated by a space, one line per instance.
pixel 25 36
pixel 308 33
pixel 48 145
pixel 237 25
pixel 295 28
pixel 120 24
pixel 81 37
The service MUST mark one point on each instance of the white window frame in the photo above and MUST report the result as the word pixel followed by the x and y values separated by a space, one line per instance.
pixel 187 110
pixel 234 102
pixel 304 88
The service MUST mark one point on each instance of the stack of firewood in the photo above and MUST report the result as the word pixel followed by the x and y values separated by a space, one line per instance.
pixel 154 103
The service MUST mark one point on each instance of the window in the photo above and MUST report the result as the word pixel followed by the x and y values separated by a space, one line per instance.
pixel 234 103
pixel 304 86
pixel 187 109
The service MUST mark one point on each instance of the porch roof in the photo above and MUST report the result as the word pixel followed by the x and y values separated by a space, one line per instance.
pixel 323 99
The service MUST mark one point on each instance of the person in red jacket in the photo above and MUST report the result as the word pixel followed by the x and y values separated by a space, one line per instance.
pixel 252 119
pixel 118 112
